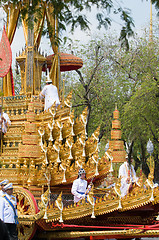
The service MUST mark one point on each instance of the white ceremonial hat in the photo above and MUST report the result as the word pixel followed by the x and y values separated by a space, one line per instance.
pixel 48 80
pixel 4 182
pixel 8 186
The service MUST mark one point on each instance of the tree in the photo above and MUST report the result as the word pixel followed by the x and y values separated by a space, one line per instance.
pixel 73 13
pixel 140 112
pixel 97 85
pixel 110 75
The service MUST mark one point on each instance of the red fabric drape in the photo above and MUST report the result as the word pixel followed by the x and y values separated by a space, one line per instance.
pixel 12 82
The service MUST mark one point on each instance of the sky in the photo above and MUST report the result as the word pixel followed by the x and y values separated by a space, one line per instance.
pixel 140 11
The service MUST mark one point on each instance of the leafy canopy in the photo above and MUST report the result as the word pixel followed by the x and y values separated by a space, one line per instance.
pixel 74 13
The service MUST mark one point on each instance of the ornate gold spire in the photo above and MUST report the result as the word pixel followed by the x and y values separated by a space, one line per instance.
pixel 115 106
pixel 150 36
pixel 116 144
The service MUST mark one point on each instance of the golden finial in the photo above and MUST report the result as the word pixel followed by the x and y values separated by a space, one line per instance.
pixel 63 90
pixel 118 185
pixel 150 36
pixel 115 106
pixel 44 200
pixel 58 202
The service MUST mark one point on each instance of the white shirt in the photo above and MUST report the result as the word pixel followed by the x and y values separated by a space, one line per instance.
pixel 6 211
pixel 51 96
pixel 5 122
pixel 123 173
pixel 79 188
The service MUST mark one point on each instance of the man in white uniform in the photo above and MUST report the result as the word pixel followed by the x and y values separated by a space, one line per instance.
pixel 128 177
pixel 4 121
pixel 8 211
pixel 3 184
pixel 79 187
pixel 50 93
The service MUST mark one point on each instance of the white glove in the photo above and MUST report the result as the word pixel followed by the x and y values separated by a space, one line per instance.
pixel 89 186
pixel 83 196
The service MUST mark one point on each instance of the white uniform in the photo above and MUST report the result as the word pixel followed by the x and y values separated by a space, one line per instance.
pixel 79 188
pixel 123 173
pixel 5 123
pixel 7 214
pixel 51 96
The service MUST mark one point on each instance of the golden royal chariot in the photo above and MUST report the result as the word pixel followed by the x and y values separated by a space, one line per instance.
pixel 42 152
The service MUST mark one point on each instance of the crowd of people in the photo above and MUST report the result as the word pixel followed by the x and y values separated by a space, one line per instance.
pixel 8 212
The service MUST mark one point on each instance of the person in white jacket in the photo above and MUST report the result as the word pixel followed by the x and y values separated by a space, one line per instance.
pixel 128 177
pixel 79 187
pixel 50 93
pixel 8 211
pixel 4 121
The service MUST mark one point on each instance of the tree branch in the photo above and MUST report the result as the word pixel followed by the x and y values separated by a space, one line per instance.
pixel 81 78
pixel 78 105
pixel 95 69
pixel 155 138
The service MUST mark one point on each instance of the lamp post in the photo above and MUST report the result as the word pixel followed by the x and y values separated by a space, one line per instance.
pixel 150 147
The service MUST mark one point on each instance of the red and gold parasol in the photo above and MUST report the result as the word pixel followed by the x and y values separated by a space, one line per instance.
pixel 68 62
pixel 5 55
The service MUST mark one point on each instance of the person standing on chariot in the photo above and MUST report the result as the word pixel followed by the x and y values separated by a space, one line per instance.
pixel 79 187
pixel 50 93
pixel 4 121
pixel 8 211
pixel 3 184
pixel 128 177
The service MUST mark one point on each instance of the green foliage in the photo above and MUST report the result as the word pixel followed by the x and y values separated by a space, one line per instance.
pixel 129 78
pixel 156 3
pixel 74 13
pixel 98 88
